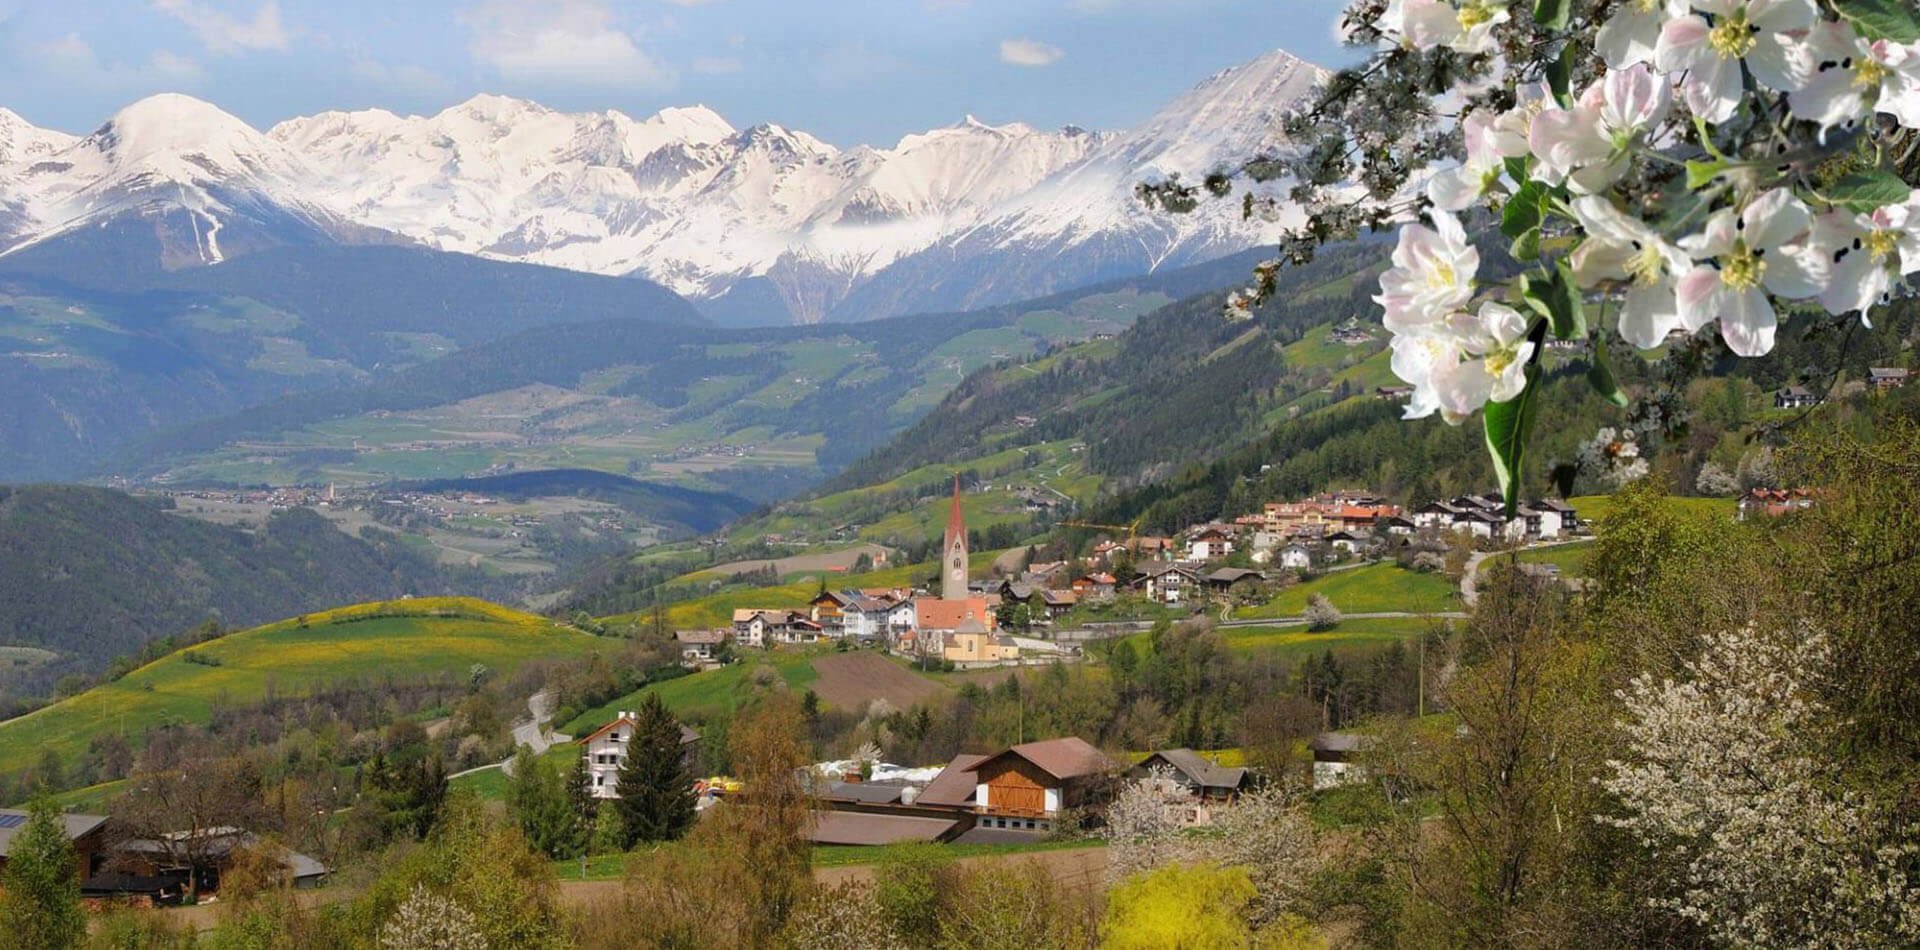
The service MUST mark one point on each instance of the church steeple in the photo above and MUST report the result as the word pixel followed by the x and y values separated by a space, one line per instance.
pixel 953 553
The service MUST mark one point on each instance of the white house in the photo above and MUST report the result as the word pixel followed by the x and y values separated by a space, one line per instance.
pixel 699 646
pixel 1210 543
pixel 606 751
pixel 1296 557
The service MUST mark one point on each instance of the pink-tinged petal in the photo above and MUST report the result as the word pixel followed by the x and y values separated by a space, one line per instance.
pixel 1594 261
pixel 1648 314
pixel 1462 388
pixel 1566 139
pixel 1828 98
pixel 1712 89
pixel 1748 323
pixel 1718 7
pixel 1634 98
pixel 1774 218
pixel 1697 293
pixel 1430 23
pixel 1454 189
pixel 1716 240
pixel 1681 41
pixel 1599 176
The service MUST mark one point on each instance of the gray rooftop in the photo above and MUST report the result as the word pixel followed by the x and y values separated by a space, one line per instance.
pixel 13 820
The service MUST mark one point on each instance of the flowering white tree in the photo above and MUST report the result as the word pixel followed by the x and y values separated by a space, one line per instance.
pixel 428 921
pixel 1729 774
pixel 1682 164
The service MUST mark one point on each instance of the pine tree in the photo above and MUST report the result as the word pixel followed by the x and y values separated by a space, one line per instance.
pixel 40 893
pixel 586 809
pixel 656 786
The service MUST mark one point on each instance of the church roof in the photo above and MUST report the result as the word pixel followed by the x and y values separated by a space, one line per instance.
pixel 956 522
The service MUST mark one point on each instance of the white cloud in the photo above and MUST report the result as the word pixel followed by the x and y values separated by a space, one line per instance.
pixel 1025 52
pixel 225 34
pixel 575 42
pixel 73 60
pixel 716 65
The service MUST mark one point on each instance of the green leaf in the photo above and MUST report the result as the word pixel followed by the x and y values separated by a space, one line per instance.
pixel 1894 20
pixel 1525 211
pixel 1865 191
pixel 1557 298
pixel 1552 14
pixel 1601 375
pixel 1559 72
pixel 1700 173
pixel 1526 247
pixel 1509 424
pixel 1517 168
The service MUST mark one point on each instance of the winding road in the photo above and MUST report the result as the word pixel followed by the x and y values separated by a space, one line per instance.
pixel 531 732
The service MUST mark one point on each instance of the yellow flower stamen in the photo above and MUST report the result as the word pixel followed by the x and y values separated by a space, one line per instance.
pixel 1474 14
pixel 1869 74
pixel 1731 38
pixel 1882 244
pixel 1646 266
pixel 1742 270
pixel 1441 278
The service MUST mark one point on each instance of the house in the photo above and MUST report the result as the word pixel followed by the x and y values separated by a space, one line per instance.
pixel 1296 557
pixel 1393 393
pixel 1209 543
pixel 1201 778
pixel 1348 542
pixel 1397 525
pixel 1166 582
pixel 1336 759
pixel 197 859
pixel 1435 514
pixel 606 751
pixel 828 609
pixel 1795 397
pixel 866 618
pixel 971 644
pixel 699 646
pixel 1096 586
pixel 1026 787
pixel 1773 502
pixel 1885 378
pixel 1230 578
pixel 87 832
pixel 1059 602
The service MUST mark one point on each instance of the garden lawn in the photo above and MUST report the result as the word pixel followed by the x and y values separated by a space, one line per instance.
pixel 1571 559
pixel 1596 507
pixel 1376 588
pixel 405 638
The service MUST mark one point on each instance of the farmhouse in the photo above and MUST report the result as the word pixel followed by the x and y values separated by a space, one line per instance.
pixel 87 832
pixel 699 646
pixel 606 751
pixel 1027 786
pixel 1201 778
pixel 1336 759
pixel 200 857
pixel 1885 378
pixel 1795 397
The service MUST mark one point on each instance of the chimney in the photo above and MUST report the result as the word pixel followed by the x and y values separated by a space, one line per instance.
pixel 909 794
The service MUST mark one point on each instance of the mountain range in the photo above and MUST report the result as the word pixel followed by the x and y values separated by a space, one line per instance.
pixel 763 225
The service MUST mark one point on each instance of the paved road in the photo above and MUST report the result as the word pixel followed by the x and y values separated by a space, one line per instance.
pixel 1470 578
pixel 531 732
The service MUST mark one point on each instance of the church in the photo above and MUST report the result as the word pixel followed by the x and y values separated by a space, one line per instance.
pixel 958 624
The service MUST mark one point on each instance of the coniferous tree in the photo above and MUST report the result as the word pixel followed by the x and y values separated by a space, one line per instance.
pixel 586 809
pixel 656 785
pixel 40 893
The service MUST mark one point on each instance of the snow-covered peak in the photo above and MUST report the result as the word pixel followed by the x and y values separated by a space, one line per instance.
pixel 1233 113
pixel 698 125
pixel 22 141
pixel 171 124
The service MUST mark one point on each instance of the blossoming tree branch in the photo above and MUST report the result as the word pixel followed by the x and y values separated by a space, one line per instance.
pixel 1657 165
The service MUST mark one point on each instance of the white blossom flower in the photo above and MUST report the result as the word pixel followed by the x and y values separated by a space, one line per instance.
pixel 1619 247
pixel 1763 248
pixel 1629 36
pixel 1756 32
pixel 1590 145
pixel 1456 366
pixel 1849 78
pixel 1431 277
pixel 1465 26
pixel 1491 140
pixel 1868 252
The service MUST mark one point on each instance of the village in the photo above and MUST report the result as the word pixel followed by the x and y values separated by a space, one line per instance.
pixel 1016 619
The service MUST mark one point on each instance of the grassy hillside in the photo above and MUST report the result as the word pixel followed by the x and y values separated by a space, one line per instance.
pixel 92 574
pixel 1376 588
pixel 369 641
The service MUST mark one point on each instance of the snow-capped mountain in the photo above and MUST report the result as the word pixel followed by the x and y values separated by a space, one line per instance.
pixel 755 219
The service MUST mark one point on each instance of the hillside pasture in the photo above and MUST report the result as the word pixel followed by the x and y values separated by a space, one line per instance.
pixel 853 681
pixel 370 642
pixel 1376 588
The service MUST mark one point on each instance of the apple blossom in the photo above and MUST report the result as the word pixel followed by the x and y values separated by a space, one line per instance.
pixel 1629 36
pixel 1432 274
pixel 1868 253
pixel 1753 32
pixel 1761 249
pixel 1466 26
pixel 1457 365
pixel 1848 78
pixel 1491 140
pixel 1622 248
pixel 1590 145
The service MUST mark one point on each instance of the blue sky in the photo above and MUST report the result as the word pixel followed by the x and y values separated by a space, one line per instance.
pixel 846 70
